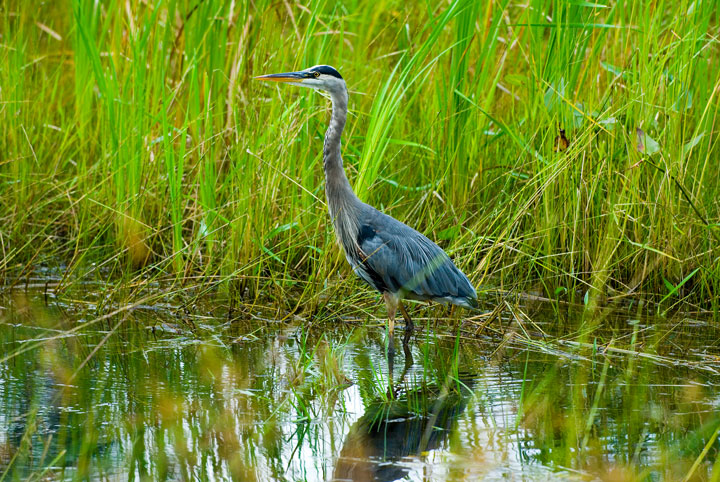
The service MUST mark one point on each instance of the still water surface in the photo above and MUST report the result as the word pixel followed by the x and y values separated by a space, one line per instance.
pixel 159 393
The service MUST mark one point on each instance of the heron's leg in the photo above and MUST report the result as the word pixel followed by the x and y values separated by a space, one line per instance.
pixel 409 325
pixel 391 301
pixel 406 350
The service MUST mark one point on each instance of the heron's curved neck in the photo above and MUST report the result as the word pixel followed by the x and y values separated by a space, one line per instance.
pixel 337 188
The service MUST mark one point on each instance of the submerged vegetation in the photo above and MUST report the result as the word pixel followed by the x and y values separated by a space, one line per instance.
pixel 565 148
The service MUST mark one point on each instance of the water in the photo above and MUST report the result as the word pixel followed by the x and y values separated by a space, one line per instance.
pixel 162 393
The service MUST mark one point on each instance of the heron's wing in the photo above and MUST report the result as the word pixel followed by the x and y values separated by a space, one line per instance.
pixel 403 260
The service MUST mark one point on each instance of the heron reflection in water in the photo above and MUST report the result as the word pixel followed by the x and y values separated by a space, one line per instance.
pixel 390 256
pixel 413 424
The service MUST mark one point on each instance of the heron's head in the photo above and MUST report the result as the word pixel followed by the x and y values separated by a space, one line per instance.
pixel 322 77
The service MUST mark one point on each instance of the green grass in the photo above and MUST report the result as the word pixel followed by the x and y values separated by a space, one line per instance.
pixel 135 145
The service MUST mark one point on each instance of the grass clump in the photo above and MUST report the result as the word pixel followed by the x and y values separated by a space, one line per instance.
pixel 134 143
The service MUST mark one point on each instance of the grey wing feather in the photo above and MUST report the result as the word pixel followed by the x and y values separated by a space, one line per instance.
pixel 400 259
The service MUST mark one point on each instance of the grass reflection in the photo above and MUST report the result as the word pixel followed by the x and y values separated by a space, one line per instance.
pixel 144 395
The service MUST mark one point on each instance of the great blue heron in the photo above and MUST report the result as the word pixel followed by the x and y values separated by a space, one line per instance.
pixel 390 256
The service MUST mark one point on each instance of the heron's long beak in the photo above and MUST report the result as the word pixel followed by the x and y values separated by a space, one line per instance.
pixel 286 77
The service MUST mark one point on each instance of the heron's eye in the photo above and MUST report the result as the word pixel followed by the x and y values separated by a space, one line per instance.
pixel 316 74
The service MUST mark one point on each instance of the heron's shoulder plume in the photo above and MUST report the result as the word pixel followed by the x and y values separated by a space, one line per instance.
pixel 327 70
